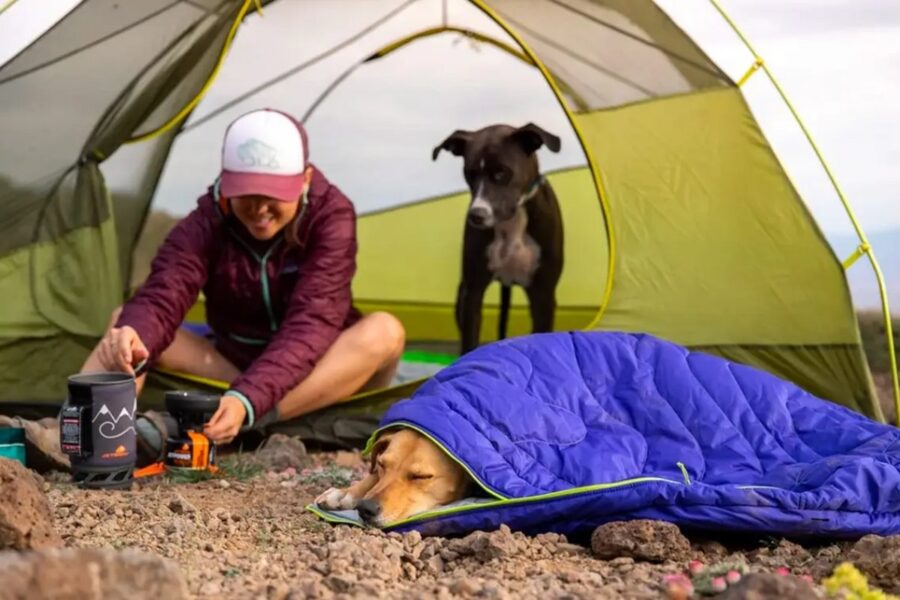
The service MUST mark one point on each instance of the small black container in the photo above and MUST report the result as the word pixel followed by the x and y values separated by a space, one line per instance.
pixel 96 429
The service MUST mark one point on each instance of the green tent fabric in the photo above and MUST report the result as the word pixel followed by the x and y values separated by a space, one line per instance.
pixel 680 221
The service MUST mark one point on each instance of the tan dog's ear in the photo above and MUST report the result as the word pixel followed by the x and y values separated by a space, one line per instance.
pixel 381 444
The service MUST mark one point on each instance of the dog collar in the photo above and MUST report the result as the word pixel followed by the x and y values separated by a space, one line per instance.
pixel 532 190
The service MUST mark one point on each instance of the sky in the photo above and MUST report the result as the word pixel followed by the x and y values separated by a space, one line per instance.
pixel 838 61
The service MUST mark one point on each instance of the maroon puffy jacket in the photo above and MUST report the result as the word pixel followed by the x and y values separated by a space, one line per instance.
pixel 274 309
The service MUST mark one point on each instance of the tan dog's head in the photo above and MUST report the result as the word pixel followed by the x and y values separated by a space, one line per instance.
pixel 412 475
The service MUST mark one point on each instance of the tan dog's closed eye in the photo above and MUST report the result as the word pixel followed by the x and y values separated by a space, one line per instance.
pixel 408 474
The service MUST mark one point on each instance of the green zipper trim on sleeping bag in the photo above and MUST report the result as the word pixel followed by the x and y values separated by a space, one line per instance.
pixel 528 499
pixel 502 502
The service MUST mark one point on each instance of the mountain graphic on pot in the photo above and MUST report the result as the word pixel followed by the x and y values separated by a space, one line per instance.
pixel 115 426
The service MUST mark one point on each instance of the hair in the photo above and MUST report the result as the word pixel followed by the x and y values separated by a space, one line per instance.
pixel 292 229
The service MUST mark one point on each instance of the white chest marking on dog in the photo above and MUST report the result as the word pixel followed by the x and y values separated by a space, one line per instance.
pixel 513 256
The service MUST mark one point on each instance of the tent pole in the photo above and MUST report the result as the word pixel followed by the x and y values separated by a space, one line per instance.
pixel 6 5
pixel 187 108
pixel 592 164
pixel 864 247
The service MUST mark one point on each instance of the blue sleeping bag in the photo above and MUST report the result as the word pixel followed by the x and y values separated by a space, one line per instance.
pixel 566 431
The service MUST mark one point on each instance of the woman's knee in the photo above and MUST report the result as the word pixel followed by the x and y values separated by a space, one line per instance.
pixel 385 333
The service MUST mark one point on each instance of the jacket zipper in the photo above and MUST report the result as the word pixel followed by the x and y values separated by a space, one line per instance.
pixel 263 277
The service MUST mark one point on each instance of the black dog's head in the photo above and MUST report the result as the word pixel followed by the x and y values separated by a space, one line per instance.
pixel 500 167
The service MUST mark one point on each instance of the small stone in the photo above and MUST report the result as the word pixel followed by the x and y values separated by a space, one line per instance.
pixel 654 541
pixel 435 565
pixel 223 483
pixel 180 506
pixel 465 587
pixel 210 588
pixel 571 549
pixel 769 585
pixel 340 583
pixel 413 538
pixel 278 591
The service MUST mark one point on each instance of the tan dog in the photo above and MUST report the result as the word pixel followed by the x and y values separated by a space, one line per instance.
pixel 408 474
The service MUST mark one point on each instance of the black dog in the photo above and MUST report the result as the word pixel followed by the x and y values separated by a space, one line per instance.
pixel 514 230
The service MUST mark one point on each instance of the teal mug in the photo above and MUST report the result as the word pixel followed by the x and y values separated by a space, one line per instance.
pixel 12 443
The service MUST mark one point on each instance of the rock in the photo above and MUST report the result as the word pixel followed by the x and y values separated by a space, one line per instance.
pixel 435 565
pixel 486 546
pixel 465 587
pixel 712 550
pixel 341 583
pixel 180 506
pixel 278 591
pixel 42 450
pixel 642 539
pixel 210 588
pixel 879 560
pixel 282 452
pixel 26 521
pixel 758 586
pixel 572 549
pixel 90 573
pixel 786 554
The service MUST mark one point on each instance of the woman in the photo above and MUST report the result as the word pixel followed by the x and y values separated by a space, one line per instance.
pixel 272 245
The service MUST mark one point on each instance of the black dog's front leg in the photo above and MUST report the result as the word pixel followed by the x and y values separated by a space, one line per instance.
pixel 469 301
pixel 542 304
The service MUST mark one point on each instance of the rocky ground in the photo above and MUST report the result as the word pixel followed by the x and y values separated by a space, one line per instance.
pixel 246 534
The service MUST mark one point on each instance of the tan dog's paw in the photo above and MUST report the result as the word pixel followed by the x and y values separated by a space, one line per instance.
pixel 336 499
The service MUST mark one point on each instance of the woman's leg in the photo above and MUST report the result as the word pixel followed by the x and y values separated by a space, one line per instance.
pixel 364 356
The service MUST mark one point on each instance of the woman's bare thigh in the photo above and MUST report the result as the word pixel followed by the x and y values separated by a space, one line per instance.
pixel 190 353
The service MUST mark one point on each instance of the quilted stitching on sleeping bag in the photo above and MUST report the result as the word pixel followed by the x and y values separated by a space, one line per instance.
pixel 552 412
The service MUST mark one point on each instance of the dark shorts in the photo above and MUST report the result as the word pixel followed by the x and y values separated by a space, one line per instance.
pixel 242 353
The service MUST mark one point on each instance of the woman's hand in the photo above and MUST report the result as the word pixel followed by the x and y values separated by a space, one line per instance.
pixel 121 349
pixel 226 422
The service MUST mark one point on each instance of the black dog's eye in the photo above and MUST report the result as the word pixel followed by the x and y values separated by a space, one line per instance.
pixel 420 476
pixel 501 176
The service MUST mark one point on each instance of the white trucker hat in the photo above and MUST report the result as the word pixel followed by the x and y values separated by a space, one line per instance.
pixel 265 152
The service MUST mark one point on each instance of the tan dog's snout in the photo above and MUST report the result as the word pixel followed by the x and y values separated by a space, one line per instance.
pixel 368 510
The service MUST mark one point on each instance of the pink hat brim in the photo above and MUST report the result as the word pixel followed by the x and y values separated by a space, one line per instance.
pixel 286 188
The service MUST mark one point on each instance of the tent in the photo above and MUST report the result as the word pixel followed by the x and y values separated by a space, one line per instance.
pixel 679 219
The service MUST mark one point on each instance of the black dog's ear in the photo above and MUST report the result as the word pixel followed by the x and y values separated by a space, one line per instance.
pixel 381 444
pixel 455 144
pixel 530 137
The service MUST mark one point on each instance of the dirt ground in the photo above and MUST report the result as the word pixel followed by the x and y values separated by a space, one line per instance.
pixel 247 535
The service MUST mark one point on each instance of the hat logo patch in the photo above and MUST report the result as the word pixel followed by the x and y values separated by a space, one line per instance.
pixel 255 153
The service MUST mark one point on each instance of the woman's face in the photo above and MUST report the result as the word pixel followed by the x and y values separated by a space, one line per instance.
pixel 263 216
